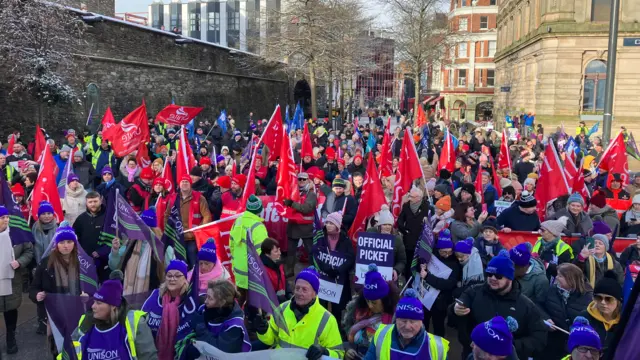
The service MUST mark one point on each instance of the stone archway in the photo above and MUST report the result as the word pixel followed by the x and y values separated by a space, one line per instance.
pixel 302 94
pixel 459 111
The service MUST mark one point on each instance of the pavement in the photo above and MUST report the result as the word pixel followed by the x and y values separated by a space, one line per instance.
pixel 31 345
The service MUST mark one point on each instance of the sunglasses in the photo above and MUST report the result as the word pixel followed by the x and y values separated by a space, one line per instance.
pixel 497 276
pixel 595 353
pixel 606 298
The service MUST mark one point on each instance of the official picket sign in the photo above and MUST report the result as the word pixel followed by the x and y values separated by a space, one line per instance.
pixel 501 206
pixel 426 293
pixel 374 248
pixel 330 290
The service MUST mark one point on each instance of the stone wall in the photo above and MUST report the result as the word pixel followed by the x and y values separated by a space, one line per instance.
pixel 123 64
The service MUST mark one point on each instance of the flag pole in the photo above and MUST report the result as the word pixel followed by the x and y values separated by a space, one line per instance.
pixel 116 213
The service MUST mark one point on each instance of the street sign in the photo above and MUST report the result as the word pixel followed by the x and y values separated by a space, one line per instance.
pixel 631 42
pixel 505 89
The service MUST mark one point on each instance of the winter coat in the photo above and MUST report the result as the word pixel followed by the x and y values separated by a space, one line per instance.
pixel 446 286
pixel 345 248
pixel 85 172
pixel 44 279
pixel 481 244
pixel 123 178
pixel 23 254
pixel 609 215
pixel 562 312
pixel 441 222
pixel 629 255
pixel 303 231
pixel 333 204
pixel 600 268
pixel 516 220
pixel 485 304
pixel 399 253
pixel 534 284
pixel 582 225
pixel 230 341
pixel 43 238
pixel 410 224
pixel 88 227
pixel 596 321
pixel 74 203
pixel 461 230
pixel 105 191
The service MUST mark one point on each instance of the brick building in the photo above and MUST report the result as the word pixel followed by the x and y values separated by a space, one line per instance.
pixel 468 67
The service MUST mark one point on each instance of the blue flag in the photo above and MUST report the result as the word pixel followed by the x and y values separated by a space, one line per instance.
pixel 174 231
pixel 298 118
pixel 371 143
pixel 190 129
pixel 594 129
pixel 509 121
pixel 287 120
pixel 425 137
pixel 68 169
pixel 454 140
pixel 222 121
pixel 19 230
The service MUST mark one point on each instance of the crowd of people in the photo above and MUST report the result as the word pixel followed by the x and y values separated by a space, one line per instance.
pixel 548 300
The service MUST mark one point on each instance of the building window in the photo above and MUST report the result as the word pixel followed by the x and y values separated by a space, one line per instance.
pixel 194 21
pixel 175 17
pixel 492 2
pixel 492 48
pixel 213 19
pixel 462 24
pixel 462 77
pixel 600 10
pixel 157 14
pixel 484 22
pixel 233 24
pixel 595 79
pixel 462 50
pixel 480 49
pixel 464 2
pixel 491 78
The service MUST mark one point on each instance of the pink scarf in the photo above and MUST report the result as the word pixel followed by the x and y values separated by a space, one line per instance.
pixel 212 275
pixel 131 173
pixel 165 340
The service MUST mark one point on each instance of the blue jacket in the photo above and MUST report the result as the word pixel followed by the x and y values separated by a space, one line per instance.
pixel 60 163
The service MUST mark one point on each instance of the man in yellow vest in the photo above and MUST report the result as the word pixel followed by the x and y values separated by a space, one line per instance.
pixel 550 248
pixel 493 339
pixel 309 325
pixel 584 342
pixel 407 337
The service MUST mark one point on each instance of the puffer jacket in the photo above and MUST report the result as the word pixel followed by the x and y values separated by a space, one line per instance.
pixel 534 283
pixel 74 203
pixel 462 230
pixel 562 312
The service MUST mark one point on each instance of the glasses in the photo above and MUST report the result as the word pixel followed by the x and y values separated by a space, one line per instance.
pixel 595 353
pixel 174 276
pixel 606 298
pixel 301 180
pixel 497 276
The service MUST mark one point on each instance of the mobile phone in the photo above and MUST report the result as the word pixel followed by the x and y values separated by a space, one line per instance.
pixel 591 243
pixel 460 302
pixel 484 207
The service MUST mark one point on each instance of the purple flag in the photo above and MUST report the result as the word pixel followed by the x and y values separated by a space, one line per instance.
pixel 19 230
pixel 629 334
pixel 64 313
pixel 424 247
pixel 260 293
pixel 68 169
pixel 174 231
pixel 121 219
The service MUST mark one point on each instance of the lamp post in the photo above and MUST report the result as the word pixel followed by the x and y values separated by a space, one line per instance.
pixel 611 71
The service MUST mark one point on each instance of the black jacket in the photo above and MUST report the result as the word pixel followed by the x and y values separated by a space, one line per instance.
pixel 88 228
pixel 516 220
pixel 229 341
pixel 333 204
pixel 85 172
pixel 446 286
pixel 45 280
pixel 562 314
pixel 522 169
pixel 410 224
pixel 480 244
pixel 341 272
pixel 606 337
pixel 629 255
pixel 105 191
pixel 485 304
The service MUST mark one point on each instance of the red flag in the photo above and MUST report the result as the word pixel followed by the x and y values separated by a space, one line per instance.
pixel 504 160
pixel 274 125
pixel 286 177
pixel 45 188
pixel 130 132
pixel 12 141
pixel 108 125
pixel 40 145
pixel 168 178
pixel 447 155
pixel 552 182
pixel 421 117
pixel 409 169
pixel 386 157
pixel 496 179
pixel 372 198
pixel 177 115
pixel 307 146
pixel 614 159
pixel 185 160
pixel 479 188
pixel 219 231
pixel 142 156
pixel 577 185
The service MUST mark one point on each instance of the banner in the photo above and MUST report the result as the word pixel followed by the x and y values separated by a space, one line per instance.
pixel 501 206
pixel 426 293
pixel 377 249
pixel 209 352
pixel 511 239
pixel 330 288
pixel 177 115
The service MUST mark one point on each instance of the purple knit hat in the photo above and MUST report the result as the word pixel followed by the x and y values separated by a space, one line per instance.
pixel 45 207
pixel 375 287
pixel 149 217
pixel 208 251
pixel 106 170
pixel 410 307
pixel 494 336
pixel 110 293
pixel 582 334
pixel 464 246
pixel 520 254
pixel 311 276
pixel 72 177
pixel 178 265
pixel 65 232
pixel 601 227
pixel 444 240
pixel 3 211
pixel 219 158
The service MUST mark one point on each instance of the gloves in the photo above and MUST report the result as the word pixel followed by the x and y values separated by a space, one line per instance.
pixel 316 351
pixel 197 323
pixel 261 325
pixel 191 352
pixel 288 202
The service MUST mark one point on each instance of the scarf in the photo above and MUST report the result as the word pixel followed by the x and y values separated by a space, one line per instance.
pixel 592 267
pixel 137 270
pixel 131 173
pixel 215 273
pixel 564 294
pixel 6 257
pixel 472 270
pixel 414 207
pixel 165 340
pixel 64 272
pixel 110 182
pixel 43 234
pixel 549 245
pixel 332 240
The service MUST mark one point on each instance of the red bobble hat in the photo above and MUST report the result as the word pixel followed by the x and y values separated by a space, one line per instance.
pixel 205 161
pixel 239 179
pixel 146 174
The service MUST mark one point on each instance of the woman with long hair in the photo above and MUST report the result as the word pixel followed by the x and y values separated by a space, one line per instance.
pixel 111 330
pixel 464 223
pixel 209 267
pixel 375 304
pixel 220 321
pixel 604 311
pixel 567 298
pixel 163 307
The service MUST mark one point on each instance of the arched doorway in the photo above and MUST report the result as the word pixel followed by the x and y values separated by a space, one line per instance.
pixel 459 111
pixel 302 94
pixel 484 111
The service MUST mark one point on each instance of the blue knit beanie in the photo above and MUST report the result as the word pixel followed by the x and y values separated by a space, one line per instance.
pixel 582 334
pixel 311 276
pixel 375 287
pixel 464 246
pixel 45 207
pixel 444 240
pixel 178 265
pixel 3 211
pixel 149 217
pixel 65 232
pixel 410 307
pixel 520 254
pixel 208 251
pixel 494 336
pixel 501 265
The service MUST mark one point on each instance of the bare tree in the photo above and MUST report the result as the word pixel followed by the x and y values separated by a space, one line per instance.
pixel 421 35
pixel 37 43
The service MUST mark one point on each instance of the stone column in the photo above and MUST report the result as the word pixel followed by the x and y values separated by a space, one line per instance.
pixel 223 22
pixel 204 22
pixel 243 25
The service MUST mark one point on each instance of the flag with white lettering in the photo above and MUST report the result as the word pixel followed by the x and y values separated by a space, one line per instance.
pixel 177 114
